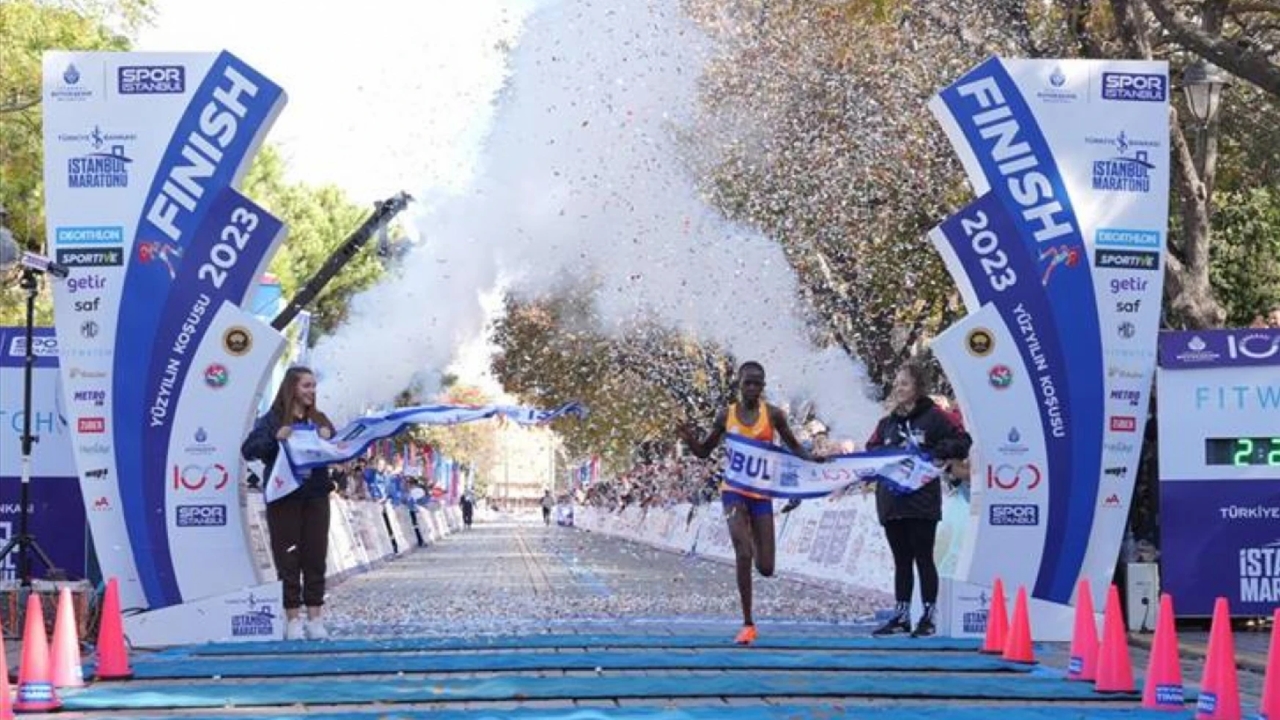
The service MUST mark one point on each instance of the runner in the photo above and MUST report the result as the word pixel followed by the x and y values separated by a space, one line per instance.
pixel 749 515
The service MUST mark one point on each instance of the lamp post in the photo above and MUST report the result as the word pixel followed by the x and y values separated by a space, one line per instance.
pixel 1202 84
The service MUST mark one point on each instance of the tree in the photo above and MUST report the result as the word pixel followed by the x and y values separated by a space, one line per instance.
pixel 29 28
pixel 319 219
pixel 637 383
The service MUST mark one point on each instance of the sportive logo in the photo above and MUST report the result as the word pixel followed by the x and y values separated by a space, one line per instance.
pixel 151 80
pixel 1115 237
pixel 1127 259
pixel 1134 87
pixel 1000 377
pixel 89 235
pixel 216 375
pixel 1023 515
pixel 106 257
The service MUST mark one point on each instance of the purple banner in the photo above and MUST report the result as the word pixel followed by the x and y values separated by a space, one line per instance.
pixel 1221 538
pixel 56 520
pixel 1192 349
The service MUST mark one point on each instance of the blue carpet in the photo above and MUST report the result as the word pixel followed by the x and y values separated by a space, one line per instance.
pixel 763 712
pixel 499 642
pixel 267 667
pixel 815 684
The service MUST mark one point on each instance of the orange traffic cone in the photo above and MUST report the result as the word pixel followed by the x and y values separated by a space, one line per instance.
pixel 1163 687
pixel 1083 664
pixel 1270 709
pixel 67 671
pixel 1115 667
pixel 1219 687
pixel 113 656
pixel 997 621
pixel 6 698
pixel 1017 647
pixel 35 689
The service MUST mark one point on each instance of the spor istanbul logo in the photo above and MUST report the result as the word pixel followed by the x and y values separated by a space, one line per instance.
pixel 1128 170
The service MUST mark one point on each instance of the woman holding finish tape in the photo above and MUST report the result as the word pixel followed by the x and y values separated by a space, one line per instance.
pixel 298 522
pixel 911 520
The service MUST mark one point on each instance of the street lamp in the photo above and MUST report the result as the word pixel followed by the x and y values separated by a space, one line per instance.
pixel 1203 82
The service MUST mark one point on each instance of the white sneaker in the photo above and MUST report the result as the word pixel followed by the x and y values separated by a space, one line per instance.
pixel 316 630
pixel 295 630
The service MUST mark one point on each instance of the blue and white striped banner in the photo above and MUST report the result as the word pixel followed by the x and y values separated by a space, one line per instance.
pixel 305 449
pixel 769 470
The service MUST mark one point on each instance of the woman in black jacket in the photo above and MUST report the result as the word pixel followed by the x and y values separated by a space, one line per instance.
pixel 298 522
pixel 911 520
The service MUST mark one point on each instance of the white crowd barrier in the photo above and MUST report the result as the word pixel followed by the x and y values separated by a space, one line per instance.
pixel 363 534
pixel 834 543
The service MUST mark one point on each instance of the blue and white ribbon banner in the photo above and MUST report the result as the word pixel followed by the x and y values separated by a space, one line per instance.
pixel 772 471
pixel 305 449
pixel 1058 261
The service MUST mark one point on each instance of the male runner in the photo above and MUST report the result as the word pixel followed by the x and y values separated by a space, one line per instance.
pixel 750 515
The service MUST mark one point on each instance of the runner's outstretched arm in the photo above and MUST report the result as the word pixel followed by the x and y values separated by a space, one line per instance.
pixel 702 449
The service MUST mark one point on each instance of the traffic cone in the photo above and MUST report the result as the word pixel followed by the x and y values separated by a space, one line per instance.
pixel 1163 687
pixel 1017 647
pixel 1083 664
pixel 1219 687
pixel 35 688
pixel 1270 709
pixel 997 621
pixel 6 698
pixel 1115 667
pixel 67 672
pixel 113 656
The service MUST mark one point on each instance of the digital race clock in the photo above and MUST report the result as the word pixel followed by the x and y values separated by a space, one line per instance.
pixel 1242 451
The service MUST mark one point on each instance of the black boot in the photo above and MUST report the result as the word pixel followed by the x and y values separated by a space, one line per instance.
pixel 925 627
pixel 899 624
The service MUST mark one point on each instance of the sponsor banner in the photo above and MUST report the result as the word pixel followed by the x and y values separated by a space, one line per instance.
pixel 1221 539
pixel 1011 477
pixel 1245 347
pixel 227 250
pixel 1076 151
pixel 99 158
pixel 1220 469
pixel 209 148
pixel 56 514
pixel 198 503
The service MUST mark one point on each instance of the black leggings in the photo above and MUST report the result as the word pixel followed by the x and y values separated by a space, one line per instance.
pixel 912 544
